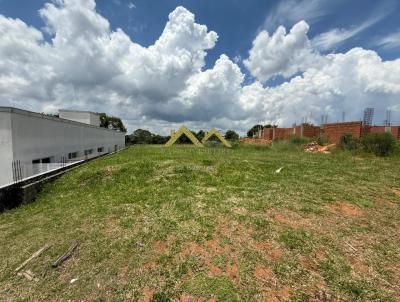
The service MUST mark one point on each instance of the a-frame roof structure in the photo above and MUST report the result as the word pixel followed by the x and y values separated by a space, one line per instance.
pixel 183 131
pixel 215 132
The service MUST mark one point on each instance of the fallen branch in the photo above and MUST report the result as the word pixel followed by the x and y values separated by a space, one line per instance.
pixel 66 255
pixel 352 247
pixel 28 275
pixel 35 255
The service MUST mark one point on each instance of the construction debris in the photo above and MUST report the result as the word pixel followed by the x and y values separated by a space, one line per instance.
pixel 315 147
pixel 34 255
pixel 311 147
pixel 66 255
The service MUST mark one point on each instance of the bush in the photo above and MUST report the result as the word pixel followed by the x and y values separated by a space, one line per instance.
pixel 231 135
pixel 348 142
pixel 298 140
pixel 381 144
pixel 321 140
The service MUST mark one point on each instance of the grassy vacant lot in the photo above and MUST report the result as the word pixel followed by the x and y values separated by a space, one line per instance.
pixel 187 224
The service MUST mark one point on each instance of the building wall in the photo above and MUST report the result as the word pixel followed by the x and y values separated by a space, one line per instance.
pixel 267 134
pixel 333 132
pixel 283 133
pixel 309 131
pixel 6 155
pixel 35 136
pixel 394 130
pixel 85 117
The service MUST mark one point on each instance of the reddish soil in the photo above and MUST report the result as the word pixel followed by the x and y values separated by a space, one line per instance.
pixel 160 246
pixel 188 298
pixel 150 265
pixel 215 270
pixel 262 272
pixel 308 263
pixel 232 270
pixel 346 209
pixel 271 251
pixel 147 295
pixel 192 248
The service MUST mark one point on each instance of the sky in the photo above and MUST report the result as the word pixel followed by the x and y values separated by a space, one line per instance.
pixel 225 64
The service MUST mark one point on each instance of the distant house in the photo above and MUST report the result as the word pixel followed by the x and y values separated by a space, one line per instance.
pixel 32 142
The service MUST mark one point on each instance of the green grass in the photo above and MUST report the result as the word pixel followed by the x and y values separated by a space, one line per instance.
pixel 211 223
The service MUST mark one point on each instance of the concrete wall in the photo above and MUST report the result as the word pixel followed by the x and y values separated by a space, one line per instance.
pixel 35 136
pixel 6 154
pixel 85 117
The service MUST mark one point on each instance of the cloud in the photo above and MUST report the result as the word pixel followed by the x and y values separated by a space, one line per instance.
pixel 87 65
pixel 346 82
pixel 389 41
pixel 289 12
pixel 337 36
pixel 282 53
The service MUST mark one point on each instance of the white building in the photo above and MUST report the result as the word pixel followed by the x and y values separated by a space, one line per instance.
pixel 30 140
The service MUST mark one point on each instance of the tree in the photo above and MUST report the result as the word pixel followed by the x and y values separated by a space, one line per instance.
pixel 140 136
pixel 200 135
pixel 254 130
pixel 185 140
pixel 159 139
pixel 115 122
pixel 231 135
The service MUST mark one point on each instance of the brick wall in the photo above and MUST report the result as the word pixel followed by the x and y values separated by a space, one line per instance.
pixel 309 131
pixel 394 130
pixel 333 132
pixel 267 133
pixel 283 133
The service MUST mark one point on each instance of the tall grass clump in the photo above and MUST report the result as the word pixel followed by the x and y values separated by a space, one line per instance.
pixel 293 139
pixel 381 144
pixel 348 142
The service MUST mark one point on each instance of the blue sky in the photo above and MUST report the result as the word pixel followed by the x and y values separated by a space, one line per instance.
pixel 236 22
pixel 335 27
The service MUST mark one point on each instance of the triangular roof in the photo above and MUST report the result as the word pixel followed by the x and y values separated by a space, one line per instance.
pixel 183 131
pixel 215 132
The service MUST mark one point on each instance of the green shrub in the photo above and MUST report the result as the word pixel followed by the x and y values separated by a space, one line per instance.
pixel 298 140
pixel 321 140
pixel 348 142
pixel 381 144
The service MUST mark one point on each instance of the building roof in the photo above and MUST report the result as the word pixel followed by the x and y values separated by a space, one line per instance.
pixel 77 111
pixel 44 116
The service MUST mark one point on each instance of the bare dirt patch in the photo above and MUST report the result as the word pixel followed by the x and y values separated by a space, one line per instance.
pixel 232 270
pixel 346 209
pixel 396 192
pixel 160 246
pixel 214 270
pixel 270 249
pixel 147 295
pixel 192 248
pixel 261 272
pixel 288 217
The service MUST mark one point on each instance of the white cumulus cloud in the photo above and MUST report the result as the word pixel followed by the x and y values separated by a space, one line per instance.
pixel 87 65
pixel 282 53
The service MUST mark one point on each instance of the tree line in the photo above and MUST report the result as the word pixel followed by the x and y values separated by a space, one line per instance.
pixel 142 136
